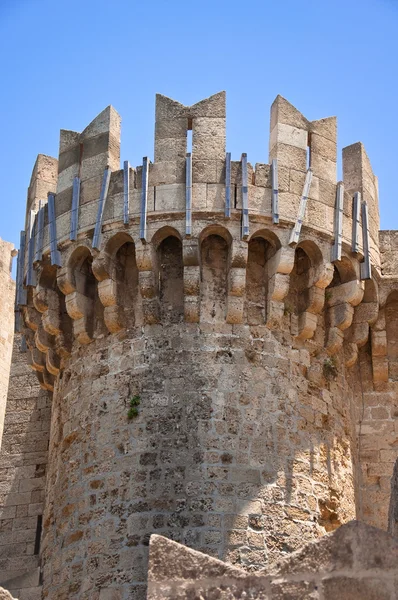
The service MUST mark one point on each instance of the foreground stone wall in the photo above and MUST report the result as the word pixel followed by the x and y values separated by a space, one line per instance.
pixel 7 295
pixel 215 459
pixel 23 460
pixel 357 562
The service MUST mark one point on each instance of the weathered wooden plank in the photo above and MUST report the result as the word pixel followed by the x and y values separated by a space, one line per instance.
pixel 188 194
pixel 228 185
pixel 144 198
pixel 126 192
pixel 245 198
pixel 356 215
pixel 55 255
pixel 101 207
pixel 21 296
pixel 39 232
pixel 30 271
pixel 275 191
pixel 295 235
pixel 74 217
pixel 366 271
pixel 338 223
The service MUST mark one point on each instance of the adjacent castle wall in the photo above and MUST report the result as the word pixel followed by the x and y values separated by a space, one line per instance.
pixel 7 294
pixel 23 460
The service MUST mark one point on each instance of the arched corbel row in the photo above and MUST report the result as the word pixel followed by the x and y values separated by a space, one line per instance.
pixel 365 315
pixel 236 281
pixel 33 332
pixel 379 348
pixel 341 302
pixel 147 283
pixel 104 269
pixel 320 276
pixel 191 259
pixel 279 268
pixel 72 281
pixel 48 302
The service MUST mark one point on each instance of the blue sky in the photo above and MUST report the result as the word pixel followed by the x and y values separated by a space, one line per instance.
pixel 63 61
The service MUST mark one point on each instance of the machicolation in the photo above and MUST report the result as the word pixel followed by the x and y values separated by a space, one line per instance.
pixel 216 351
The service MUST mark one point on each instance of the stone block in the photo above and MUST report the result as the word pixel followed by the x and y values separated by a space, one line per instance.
pixel 170 197
pixel 291 136
pixel 324 147
pixel 289 156
pixel 323 167
pixel 284 112
pixel 262 175
pixel 205 171
pixel 215 197
pixel 204 147
pixel 199 196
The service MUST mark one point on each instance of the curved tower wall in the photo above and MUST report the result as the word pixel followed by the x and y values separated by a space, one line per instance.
pixel 205 384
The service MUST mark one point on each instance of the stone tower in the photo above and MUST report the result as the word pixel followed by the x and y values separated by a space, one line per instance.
pixel 220 342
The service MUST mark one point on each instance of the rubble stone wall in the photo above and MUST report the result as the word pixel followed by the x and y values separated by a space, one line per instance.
pixel 23 461
pixel 7 295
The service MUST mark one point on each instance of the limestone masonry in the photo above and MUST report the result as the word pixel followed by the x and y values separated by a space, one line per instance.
pixel 215 348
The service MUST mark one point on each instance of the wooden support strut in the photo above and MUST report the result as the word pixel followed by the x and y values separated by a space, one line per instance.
pixel 338 223
pixel 54 252
pixel 126 191
pixel 101 208
pixel 144 198
pixel 245 198
pixel 295 235
pixel 39 232
pixel 188 194
pixel 356 214
pixel 228 185
pixel 21 296
pixel 30 272
pixel 366 272
pixel 275 191
pixel 74 217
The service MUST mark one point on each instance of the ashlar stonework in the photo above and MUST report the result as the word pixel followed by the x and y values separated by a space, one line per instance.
pixel 211 364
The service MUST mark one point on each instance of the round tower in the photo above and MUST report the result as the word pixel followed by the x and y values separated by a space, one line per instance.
pixel 198 321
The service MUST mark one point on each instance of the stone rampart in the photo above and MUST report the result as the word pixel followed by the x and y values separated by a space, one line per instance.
pixel 202 343
pixel 7 295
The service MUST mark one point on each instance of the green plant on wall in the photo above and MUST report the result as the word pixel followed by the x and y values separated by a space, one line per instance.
pixel 135 401
pixel 330 367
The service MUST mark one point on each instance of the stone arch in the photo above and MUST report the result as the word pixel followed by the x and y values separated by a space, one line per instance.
pixel 391 317
pixel 218 230
pixel 83 277
pixel 49 300
pixel 261 247
pixel 82 299
pixel 118 286
pixel 170 271
pixel 297 298
pixel 164 232
pixel 343 272
pixel 215 258
pixel 306 295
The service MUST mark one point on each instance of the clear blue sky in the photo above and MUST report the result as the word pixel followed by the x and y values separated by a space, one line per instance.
pixel 63 61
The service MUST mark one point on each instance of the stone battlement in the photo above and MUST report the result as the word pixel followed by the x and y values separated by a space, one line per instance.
pixel 103 218
pixel 295 143
pixel 220 344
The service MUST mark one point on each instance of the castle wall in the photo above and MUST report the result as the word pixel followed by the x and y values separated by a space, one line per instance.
pixel 7 294
pixel 377 404
pixel 217 384
pixel 23 460
pixel 235 451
